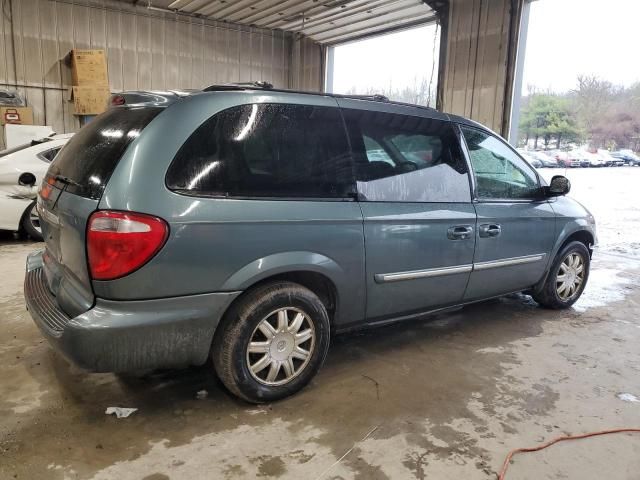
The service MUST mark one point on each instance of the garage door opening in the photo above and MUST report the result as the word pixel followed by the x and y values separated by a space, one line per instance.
pixel 402 66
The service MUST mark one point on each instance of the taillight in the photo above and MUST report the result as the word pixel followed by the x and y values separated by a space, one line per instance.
pixel 47 187
pixel 118 100
pixel 119 243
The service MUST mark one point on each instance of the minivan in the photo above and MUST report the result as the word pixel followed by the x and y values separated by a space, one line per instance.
pixel 246 225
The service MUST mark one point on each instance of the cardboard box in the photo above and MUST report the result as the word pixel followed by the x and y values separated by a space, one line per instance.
pixel 16 115
pixel 89 68
pixel 90 100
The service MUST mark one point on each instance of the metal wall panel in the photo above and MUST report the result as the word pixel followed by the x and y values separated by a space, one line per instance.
pixel 307 60
pixel 479 60
pixel 145 50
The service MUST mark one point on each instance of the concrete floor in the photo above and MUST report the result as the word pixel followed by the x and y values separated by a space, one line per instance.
pixel 444 398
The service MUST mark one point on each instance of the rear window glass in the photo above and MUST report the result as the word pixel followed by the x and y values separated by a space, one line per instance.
pixel 91 155
pixel 266 150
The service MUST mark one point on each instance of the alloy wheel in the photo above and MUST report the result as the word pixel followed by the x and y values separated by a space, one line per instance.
pixel 281 346
pixel 570 276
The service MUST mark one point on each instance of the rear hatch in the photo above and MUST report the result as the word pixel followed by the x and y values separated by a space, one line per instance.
pixel 71 192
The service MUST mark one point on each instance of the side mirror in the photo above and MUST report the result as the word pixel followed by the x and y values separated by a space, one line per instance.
pixel 27 179
pixel 558 186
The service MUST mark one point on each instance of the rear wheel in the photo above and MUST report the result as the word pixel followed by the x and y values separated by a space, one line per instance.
pixel 272 342
pixel 567 278
pixel 31 222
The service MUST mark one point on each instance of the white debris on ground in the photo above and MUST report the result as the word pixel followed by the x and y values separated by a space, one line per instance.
pixel 120 412
pixel 628 397
pixel 202 394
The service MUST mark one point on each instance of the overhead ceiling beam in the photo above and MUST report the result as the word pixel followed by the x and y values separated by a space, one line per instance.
pixel 304 11
pixel 397 14
pixel 329 16
pixel 373 31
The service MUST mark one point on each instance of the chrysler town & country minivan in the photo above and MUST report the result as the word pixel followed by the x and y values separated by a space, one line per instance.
pixel 247 224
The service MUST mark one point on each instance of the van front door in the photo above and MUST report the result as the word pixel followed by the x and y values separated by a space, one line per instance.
pixel 516 224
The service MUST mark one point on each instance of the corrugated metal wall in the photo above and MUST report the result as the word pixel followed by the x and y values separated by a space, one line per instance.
pixel 145 50
pixel 480 58
pixel 307 65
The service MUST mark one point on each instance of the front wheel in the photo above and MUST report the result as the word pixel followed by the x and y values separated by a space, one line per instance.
pixel 31 222
pixel 272 342
pixel 567 278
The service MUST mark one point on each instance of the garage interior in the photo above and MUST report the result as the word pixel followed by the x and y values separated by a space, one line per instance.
pixel 443 397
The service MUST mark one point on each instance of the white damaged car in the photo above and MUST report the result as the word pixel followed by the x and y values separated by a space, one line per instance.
pixel 22 169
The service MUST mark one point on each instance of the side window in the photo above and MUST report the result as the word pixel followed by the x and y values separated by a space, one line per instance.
pixel 499 172
pixel 401 158
pixel 266 150
pixel 49 155
pixel 375 152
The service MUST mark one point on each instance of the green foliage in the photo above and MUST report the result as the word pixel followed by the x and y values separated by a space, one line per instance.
pixel 597 111
pixel 549 117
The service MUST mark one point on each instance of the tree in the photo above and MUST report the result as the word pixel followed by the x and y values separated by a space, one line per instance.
pixel 549 117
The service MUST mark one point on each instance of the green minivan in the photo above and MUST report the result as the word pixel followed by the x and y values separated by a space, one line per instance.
pixel 246 225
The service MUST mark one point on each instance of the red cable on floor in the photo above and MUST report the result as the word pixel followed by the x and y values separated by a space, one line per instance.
pixel 505 465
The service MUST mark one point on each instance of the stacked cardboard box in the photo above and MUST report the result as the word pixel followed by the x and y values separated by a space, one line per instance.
pixel 90 92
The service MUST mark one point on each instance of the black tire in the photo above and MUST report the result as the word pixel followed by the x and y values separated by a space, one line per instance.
pixel 27 224
pixel 548 295
pixel 240 325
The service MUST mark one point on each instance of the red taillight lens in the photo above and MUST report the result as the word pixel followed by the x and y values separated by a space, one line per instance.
pixel 120 242
pixel 118 100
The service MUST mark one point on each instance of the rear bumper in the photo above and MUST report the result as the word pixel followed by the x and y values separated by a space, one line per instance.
pixel 118 336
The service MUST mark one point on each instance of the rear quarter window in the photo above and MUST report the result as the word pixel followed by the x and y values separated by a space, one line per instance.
pixel 91 155
pixel 266 150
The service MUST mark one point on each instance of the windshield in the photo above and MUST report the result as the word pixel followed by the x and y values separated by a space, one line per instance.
pixel 90 157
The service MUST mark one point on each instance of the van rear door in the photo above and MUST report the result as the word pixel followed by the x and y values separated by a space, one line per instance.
pixel 70 193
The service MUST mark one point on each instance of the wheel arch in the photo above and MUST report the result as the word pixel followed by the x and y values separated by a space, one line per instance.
pixel 320 274
pixel 583 235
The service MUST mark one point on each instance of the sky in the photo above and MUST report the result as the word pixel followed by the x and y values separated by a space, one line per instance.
pixel 570 37
pixel 566 38
pixel 390 60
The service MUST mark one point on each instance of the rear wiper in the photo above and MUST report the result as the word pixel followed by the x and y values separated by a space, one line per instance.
pixel 67 180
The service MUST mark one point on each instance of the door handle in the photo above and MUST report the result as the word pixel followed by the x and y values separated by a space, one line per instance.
pixel 489 230
pixel 459 232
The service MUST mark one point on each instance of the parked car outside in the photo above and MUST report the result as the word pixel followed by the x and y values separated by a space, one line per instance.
pixel 562 158
pixel 609 159
pixel 534 162
pixel 575 158
pixel 545 159
pixel 627 156
pixel 22 169
pixel 595 159
pixel 630 157
pixel 247 224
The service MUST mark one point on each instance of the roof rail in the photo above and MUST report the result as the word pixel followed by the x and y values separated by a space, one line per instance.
pixel 262 85
pixel 375 97
pixel 239 86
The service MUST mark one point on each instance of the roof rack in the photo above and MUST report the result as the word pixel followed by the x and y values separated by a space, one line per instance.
pixel 239 86
pixel 262 85
pixel 375 97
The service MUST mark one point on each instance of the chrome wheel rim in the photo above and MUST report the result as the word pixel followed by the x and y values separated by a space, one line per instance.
pixel 35 220
pixel 570 276
pixel 281 346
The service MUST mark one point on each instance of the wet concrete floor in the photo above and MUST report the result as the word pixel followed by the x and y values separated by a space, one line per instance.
pixel 441 398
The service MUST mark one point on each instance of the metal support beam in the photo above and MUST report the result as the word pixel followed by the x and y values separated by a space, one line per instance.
pixel 519 74
pixel 328 85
